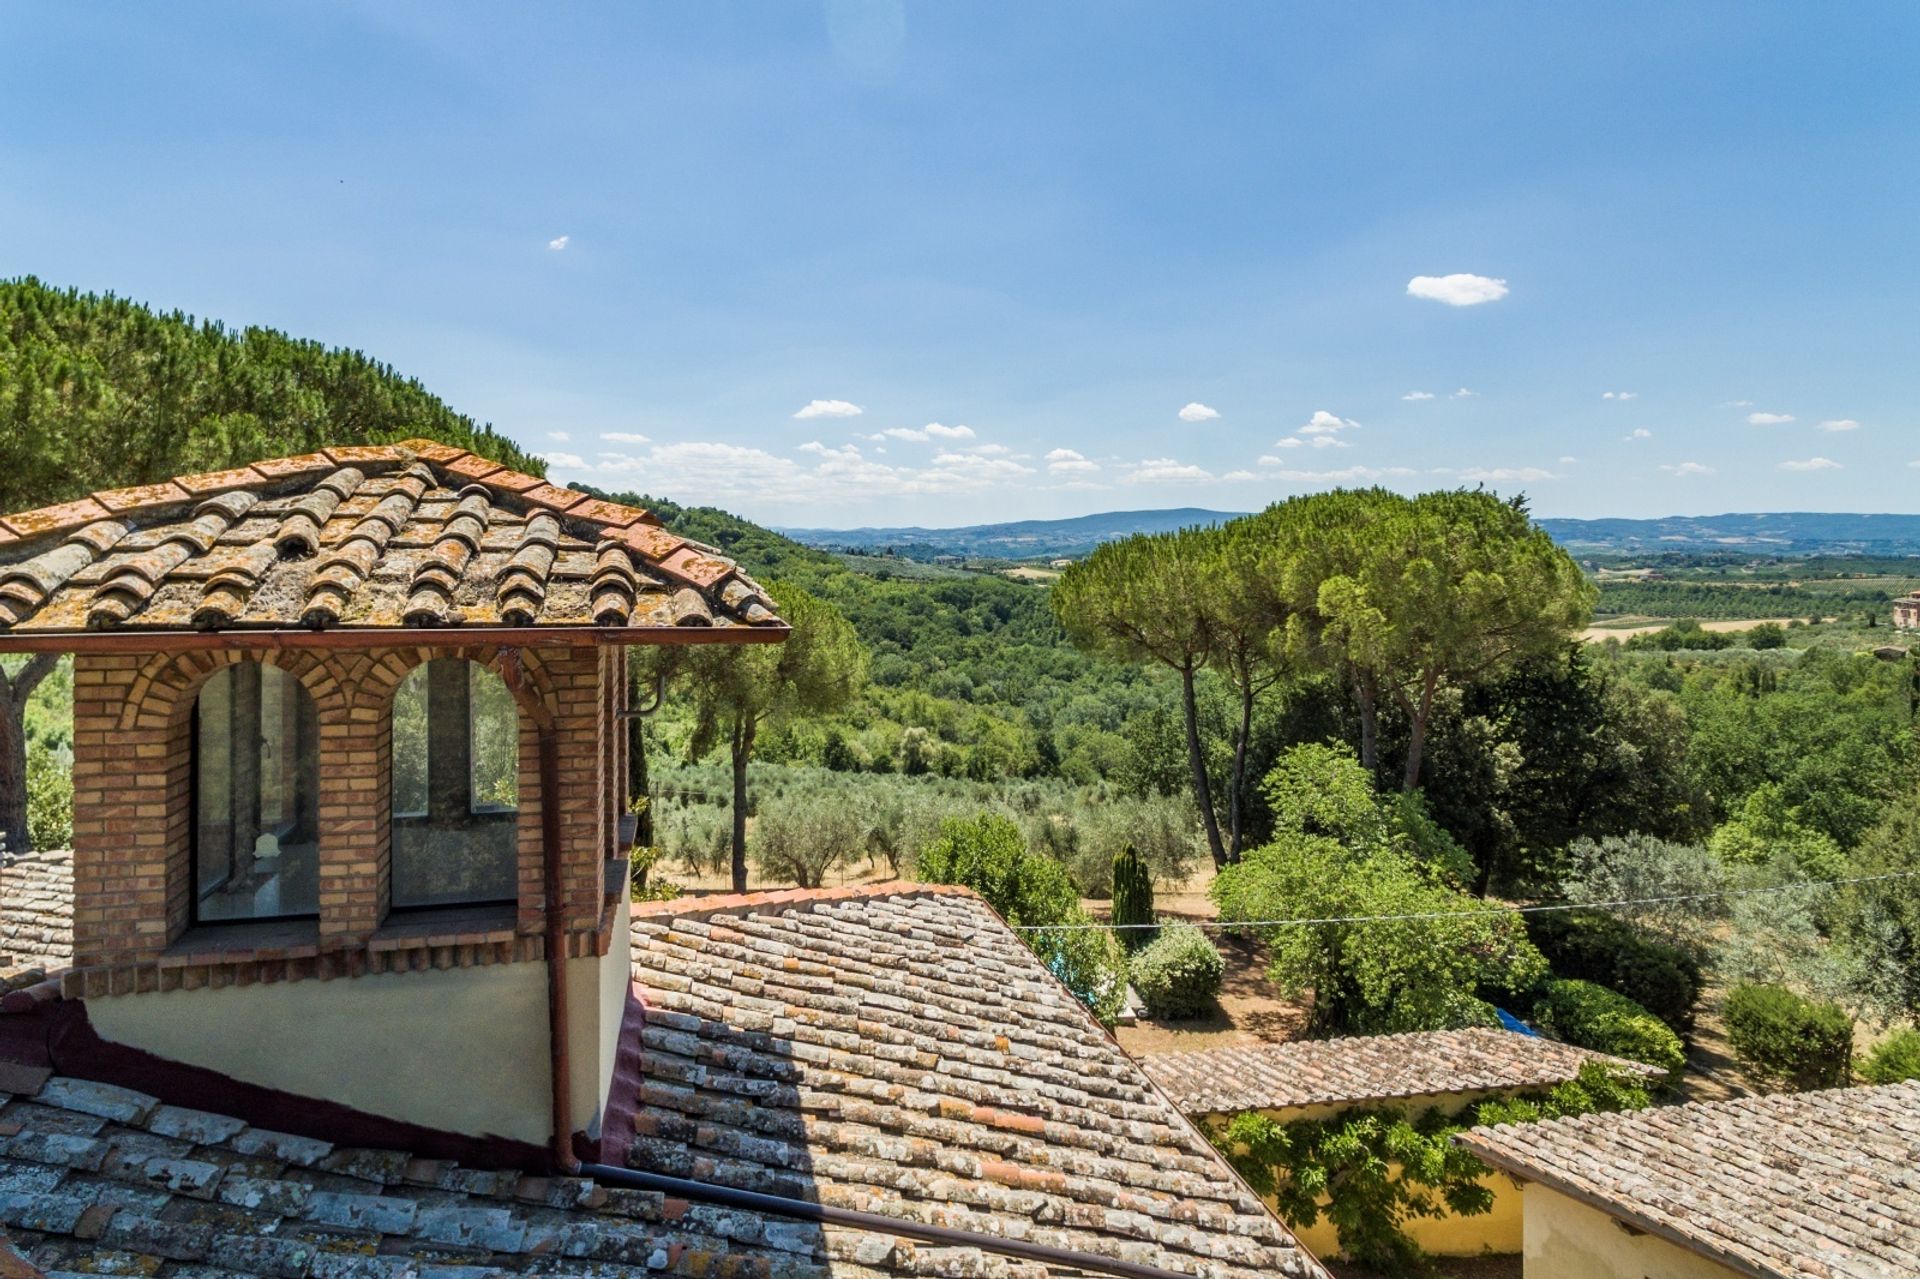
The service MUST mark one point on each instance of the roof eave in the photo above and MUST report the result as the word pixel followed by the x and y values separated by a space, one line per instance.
pixel 135 640
pixel 1626 1212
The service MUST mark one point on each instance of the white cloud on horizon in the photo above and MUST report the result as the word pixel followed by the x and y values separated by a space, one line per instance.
pixel 1638 433
pixel 922 434
pixel 625 437
pixel 1810 464
pixel 1619 395
pixel 1198 412
pixel 1684 469
pixel 1462 394
pixel 559 243
pixel 828 408
pixel 1165 470
pixel 1769 419
pixel 1839 424
pixel 1506 474
pixel 1346 475
pixel 1458 289
pixel 1068 462
pixel 1418 395
pixel 570 461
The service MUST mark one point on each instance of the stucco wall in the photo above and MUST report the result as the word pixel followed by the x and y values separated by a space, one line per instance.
pixel 462 1049
pixel 1448 1235
pixel 1566 1239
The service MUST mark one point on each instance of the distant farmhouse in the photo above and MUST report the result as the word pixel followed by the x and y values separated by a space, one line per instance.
pixel 1906 613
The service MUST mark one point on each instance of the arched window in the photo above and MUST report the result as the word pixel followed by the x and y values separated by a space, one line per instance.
pixel 456 775
pixel 256 786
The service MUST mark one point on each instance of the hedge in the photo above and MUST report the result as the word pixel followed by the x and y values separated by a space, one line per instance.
pixel 1897 1058
pixel 1784 1038
pixel 1594 946
pixel 1591 1016
pixel 1179 973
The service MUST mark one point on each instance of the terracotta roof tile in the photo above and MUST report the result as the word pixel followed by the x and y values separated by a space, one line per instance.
pixel 433 451
pixel 900 1050
pixel 552 495
pixel 102 1180
pixel 131 499
pixel 29 525
pixel 1784 1187
pixel 1368 1069
pixel 211 482
pixel 376 536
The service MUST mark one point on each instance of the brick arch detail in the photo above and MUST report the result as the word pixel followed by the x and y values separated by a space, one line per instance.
pixel 165 689
pixel 376 678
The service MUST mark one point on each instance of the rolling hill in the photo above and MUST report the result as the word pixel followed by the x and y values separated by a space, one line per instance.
pixel 1021 539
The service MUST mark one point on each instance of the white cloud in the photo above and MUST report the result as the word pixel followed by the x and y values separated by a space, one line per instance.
pixel 559 437
pixel 1068 462
pixel 1638 433
pixel 921 434
pixel 1462 393
pixel 1165 470
pixel 570 461
pixel 1619 395
pixel 1237 477
pixel 625 437
pixel 1769 419
pixel 1810 464
pixel 828 408
pixel 1568 460
pixel 559 242
pixel 1686 468
pixel 1737 404
pixel 1345 476
pixel 1325 423
pixel 1839 424
pixel 1198 412
pixel 1505 474
pixel 1418 395
pixel 1459 289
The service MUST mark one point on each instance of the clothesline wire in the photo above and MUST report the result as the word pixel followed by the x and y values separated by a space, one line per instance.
pixel 1543 909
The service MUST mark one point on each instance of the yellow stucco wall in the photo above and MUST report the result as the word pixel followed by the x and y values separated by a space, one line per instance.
pixel 1566 1239
pixel 1498 1230
pixel 464 1050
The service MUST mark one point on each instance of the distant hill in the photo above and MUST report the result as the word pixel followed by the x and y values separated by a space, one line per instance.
pixel 1766 533
pixel 1021 539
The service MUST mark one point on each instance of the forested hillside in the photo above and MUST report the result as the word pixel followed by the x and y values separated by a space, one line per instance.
pixel 99 392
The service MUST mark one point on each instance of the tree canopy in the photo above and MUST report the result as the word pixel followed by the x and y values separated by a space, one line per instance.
pixel 100 392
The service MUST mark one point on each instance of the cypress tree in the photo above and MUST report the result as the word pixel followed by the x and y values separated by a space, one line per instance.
pixel 1132 898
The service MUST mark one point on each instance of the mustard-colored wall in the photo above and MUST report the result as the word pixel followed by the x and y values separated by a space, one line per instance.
pixel 1498 1230
pixel 1566 1239
pixel 464 1050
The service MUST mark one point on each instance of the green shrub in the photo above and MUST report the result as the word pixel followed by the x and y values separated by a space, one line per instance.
pixel 1785 1038
pixel 1897 1058
pixel 988 854
pixel 1179 974
pixel 1590 945
pixel 1133 916
pixel 1604 1020
pixel 49 798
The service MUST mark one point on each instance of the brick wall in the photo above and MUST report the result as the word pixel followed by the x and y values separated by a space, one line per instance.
pixel 133 809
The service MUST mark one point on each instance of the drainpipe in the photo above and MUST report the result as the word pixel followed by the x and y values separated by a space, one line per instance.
pixel 548 746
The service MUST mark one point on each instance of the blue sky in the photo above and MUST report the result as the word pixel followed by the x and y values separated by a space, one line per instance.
pixel 644 239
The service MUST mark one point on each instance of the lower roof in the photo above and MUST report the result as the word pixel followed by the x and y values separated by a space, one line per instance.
pixel 1371 1068
pixel 100 1179
pixel 1818 1185
pixel 900 1050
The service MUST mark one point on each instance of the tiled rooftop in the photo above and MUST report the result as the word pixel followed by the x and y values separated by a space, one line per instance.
pixel 417 534
pixel 36 910
pixel 1821 1185
pixel 1372 1068
pixel 98 1179
pixel 899 1050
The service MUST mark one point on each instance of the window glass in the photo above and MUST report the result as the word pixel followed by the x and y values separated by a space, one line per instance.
pixel 456 787
pixel 256 852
